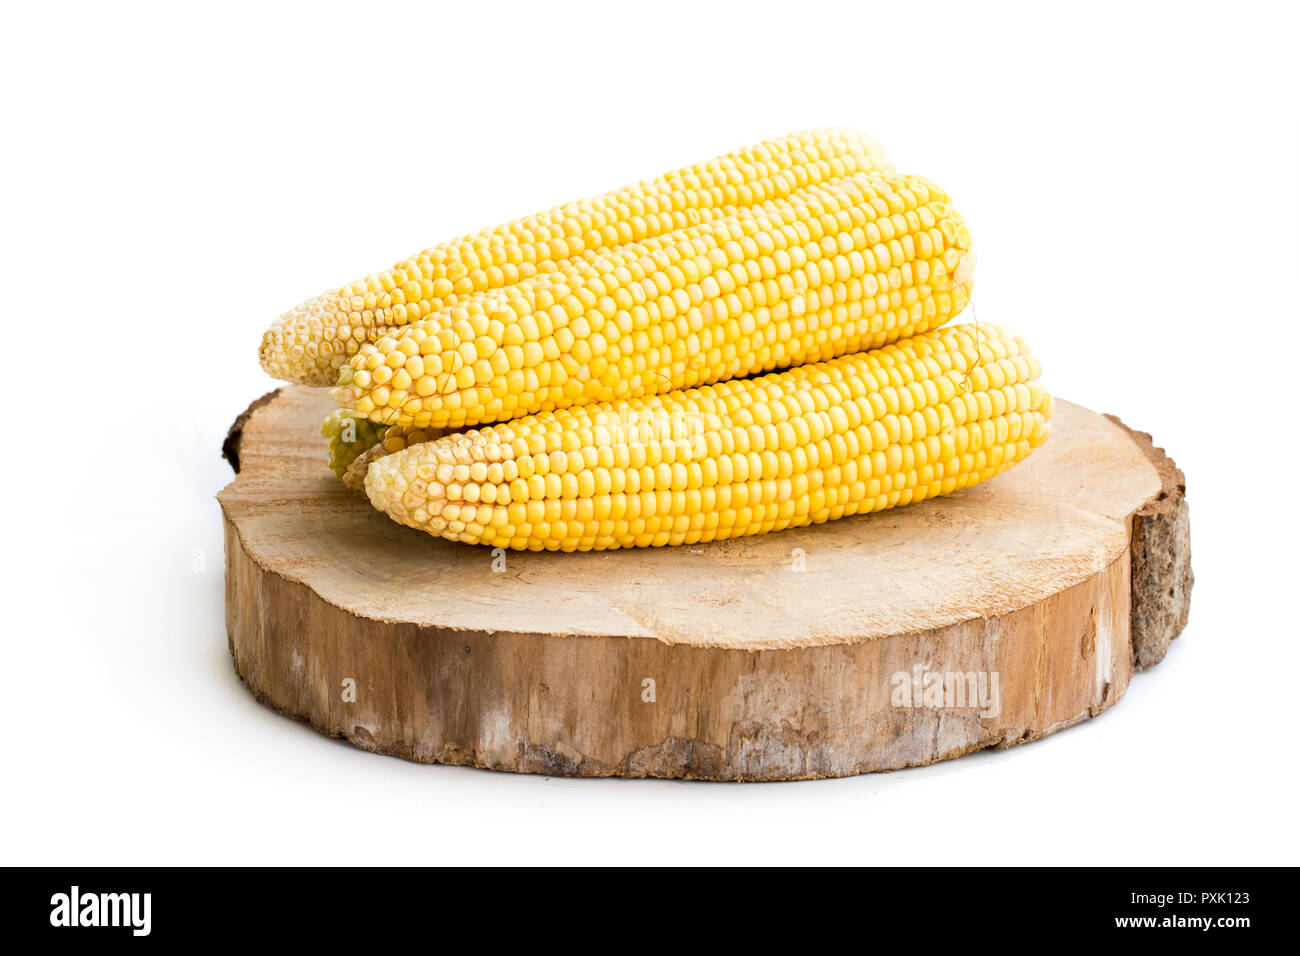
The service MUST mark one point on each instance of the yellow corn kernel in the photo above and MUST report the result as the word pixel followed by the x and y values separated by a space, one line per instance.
pixel 866 431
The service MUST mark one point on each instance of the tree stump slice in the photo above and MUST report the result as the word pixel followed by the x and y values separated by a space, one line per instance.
pixel 774 657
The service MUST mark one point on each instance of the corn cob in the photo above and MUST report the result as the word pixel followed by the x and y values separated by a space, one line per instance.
pixel 393 440
pixel 355 442
pixel 860 433
pixel 354 477
pixel 309 343
pixel 348 437
pixel 842 267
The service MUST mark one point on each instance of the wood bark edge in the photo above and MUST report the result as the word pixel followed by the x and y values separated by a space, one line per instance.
pixel 235 435
pixel 1161 558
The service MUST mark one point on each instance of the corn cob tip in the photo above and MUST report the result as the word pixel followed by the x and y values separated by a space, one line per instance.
pixel 270 352
pixel 308 344
pixel 964 274
pixel 354 476
pixel 373 442
pixel 385 482
pixel 348 436
pixel 380 475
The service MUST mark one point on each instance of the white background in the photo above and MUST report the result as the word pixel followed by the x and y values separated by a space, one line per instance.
pixel 174 179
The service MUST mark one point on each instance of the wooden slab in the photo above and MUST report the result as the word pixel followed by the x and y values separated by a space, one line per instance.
pixel 766 658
